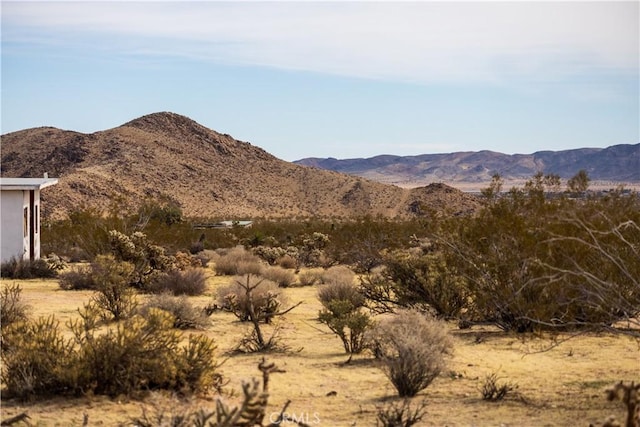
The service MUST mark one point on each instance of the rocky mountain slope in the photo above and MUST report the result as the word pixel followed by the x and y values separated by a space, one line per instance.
pixel 618 163
pixel 211 175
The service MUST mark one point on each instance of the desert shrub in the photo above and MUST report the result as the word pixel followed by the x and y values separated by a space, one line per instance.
pixel 19 268
pixel 284 278
pixel 251 410
pixel 264 296
pixel 238 261
pixel 411 348
pixel 493 389
pixel 149 260
pixel 145 353
pixel 338 274
pixel 400 414
pixel 341 291
pixel 287 261
pixel 342 312
pixel 114 297
pixel 192 281
pixel 12 308
pixel 310 277
pixel 533 263
pixel 38 359
pixel 185 315
pixel 416 280
pixel 269 253
pixel 77 278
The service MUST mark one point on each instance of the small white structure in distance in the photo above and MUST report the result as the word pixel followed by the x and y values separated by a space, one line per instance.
pixel 20 216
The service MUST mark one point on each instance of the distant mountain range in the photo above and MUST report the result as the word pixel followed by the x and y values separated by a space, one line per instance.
pixel 615 164
pixel 211 175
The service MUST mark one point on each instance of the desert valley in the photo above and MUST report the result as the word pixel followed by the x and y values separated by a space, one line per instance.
pixel 362 292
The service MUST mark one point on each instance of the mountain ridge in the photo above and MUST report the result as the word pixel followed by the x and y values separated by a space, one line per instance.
pixel 619 163
pixel 209 174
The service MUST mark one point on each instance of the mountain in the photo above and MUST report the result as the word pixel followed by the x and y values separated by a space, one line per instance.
pixel 211 175
pixel 616 164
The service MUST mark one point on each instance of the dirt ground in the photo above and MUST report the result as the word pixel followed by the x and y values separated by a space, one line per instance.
pixel 563 386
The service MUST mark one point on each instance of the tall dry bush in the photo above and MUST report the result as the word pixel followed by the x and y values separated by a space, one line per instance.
pixel 283 277
pixel 237 261
pixel 192 281
pixel 411 348
pixel 338 274
pixel 185 314
pixel 265 299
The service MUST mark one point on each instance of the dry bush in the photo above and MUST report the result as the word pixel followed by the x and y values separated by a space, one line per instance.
pixel 266 298
pixel 77 278
pixel 400 414
pixel 12 308
pixel 12 311
pixel 192 281
pixel 18 268
pixel 411 348
pixel 338 274
pixel 287 261
pixel 493 390
pixel 251 412
pixel 238 261
pixel 310 277
pixel 114 297
pixel 284 278
pixel 185 315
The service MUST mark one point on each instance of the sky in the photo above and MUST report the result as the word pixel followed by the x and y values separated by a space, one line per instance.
pixel 333 79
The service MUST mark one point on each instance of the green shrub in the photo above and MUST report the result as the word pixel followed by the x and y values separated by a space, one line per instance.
pixel 266 297
pixel 417 280
pixel 342 313
pixel 192 281
pixel 284 278
pixel 185 315
pixel 18 268
pixel 144 353
pixel 38 359
pixel 135 356
pixel 341 291
pixel 411 348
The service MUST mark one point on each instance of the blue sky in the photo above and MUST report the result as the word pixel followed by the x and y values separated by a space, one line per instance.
pixel 333 79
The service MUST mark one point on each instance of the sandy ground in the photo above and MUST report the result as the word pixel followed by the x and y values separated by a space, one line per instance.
pixel 559 387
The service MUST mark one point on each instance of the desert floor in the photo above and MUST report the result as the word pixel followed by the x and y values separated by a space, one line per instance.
pixel 563 386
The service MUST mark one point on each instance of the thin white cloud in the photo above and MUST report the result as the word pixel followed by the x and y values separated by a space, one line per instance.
pixel 419 41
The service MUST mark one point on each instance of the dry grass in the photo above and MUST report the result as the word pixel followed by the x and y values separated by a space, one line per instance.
pixel 559 387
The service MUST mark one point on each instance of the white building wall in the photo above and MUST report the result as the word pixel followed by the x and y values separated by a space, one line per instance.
pixel 36 236
pixel 13 241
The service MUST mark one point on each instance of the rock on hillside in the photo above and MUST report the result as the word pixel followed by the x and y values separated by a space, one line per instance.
pixel 211 175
